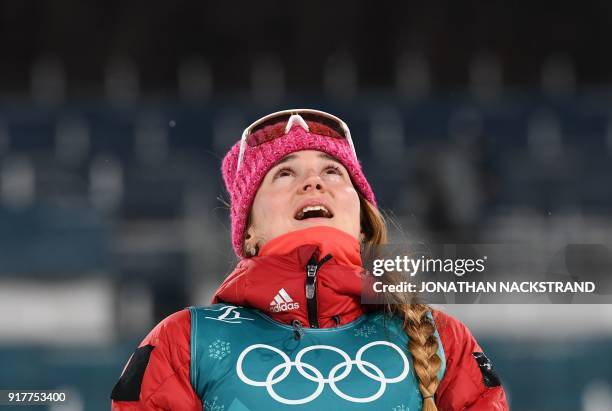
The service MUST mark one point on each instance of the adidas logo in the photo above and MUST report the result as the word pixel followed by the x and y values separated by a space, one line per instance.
pixel 283 302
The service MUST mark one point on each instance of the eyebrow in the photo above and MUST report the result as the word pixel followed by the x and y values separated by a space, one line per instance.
pixel 285 159
pixel 290 157
pixel 328 157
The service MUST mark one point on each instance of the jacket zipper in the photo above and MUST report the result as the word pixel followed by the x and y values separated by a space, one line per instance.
pixel 298 332
pixel 311 289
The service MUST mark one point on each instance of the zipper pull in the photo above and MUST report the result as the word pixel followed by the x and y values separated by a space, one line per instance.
pixel 311 283
pixel 298 331
pixel 311 273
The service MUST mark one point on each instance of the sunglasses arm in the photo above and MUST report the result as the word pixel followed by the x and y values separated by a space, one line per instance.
pixel 348 138
pixel 243 140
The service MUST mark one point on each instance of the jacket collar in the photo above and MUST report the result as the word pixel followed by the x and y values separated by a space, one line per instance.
pixel 342 246
pixel 275 281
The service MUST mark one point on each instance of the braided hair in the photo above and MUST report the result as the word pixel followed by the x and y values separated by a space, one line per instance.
pixel 417 319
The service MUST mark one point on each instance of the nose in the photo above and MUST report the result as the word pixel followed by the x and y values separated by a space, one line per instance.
pixel 312 183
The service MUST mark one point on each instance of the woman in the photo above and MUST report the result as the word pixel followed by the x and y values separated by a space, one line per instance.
pixel 287 329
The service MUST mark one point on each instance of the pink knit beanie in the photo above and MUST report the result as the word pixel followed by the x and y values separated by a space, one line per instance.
pixel 258 160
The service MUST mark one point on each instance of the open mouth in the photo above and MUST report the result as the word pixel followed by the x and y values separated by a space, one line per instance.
pixel 314 211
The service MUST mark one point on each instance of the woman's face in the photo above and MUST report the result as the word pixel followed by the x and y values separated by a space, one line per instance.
pixel 304 189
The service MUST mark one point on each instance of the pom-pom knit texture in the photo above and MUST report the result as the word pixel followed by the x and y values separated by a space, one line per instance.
pixel 242 185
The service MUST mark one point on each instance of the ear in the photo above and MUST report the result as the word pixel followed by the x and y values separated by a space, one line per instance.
pixel 249 238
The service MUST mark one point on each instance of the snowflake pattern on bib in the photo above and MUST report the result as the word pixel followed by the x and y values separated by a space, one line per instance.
pixel 213 405
pixel 219 349
pixel 365 331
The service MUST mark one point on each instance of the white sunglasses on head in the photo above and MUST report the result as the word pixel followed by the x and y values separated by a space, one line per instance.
pixel 315 121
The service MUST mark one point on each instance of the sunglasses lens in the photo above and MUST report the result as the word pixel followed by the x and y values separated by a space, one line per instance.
pixel 274 128
pixel 326 126
pixel 268 130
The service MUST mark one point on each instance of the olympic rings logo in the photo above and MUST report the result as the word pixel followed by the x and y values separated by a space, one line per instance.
pixel 311 373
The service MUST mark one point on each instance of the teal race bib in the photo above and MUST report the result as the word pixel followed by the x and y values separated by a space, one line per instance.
pixel 242 360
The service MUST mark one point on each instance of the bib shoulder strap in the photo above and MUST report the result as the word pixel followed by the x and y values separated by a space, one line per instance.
pixel 212 328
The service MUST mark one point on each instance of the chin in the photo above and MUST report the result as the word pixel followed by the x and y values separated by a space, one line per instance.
pixel 316 222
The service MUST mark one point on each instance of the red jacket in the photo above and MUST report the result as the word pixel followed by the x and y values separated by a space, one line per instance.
pixel 157 375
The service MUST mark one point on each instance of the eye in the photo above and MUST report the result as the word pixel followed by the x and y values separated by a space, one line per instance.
pixel 283 172
pixel 333 169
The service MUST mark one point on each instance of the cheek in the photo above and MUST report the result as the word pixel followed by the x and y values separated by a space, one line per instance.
pixel 349 200
pixel 266 209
